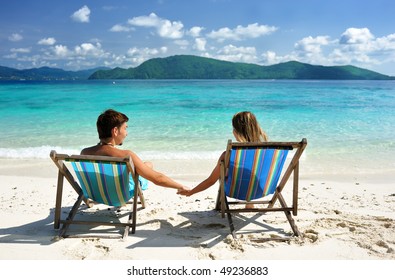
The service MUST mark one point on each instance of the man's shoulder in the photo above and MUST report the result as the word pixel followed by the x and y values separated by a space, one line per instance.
pixel 121 153
pixel 89 151
pixel 106 151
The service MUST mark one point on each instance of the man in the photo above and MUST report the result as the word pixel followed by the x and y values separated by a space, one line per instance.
pixel 112 128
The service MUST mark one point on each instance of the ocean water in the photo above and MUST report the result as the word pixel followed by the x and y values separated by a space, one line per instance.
pixel 349 125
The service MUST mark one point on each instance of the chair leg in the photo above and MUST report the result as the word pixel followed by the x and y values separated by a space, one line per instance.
pixel 288 215
pixel 130 219
pixel 230 220
pixel 58 203
pixel 295 190
pixel 71 215
pixel 221 194
pixel 223 206
pixel 134 209
pixel 218 202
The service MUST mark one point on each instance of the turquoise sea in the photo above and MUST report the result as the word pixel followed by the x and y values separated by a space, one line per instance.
pixel 349 125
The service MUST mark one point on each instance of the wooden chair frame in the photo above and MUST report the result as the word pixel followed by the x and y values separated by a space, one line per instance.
pixel 223 205
pixel 64 172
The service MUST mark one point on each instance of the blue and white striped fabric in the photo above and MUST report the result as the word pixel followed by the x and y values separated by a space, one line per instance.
pixel 254 173
pixel 106 183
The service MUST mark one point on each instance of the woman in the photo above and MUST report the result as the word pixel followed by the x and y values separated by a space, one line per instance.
pixel 245 129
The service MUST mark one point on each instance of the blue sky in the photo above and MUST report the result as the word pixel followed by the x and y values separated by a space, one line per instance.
pixel 74 35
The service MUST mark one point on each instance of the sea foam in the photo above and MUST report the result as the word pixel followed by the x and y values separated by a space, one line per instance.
pixel 44 151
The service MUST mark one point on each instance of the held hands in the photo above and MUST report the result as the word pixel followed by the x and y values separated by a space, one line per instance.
pixel 184 191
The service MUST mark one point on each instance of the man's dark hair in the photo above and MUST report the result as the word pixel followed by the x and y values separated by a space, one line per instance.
pixel 107 121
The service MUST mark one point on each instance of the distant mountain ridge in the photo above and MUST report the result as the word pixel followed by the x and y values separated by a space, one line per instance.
pixel 45 73
pixel 195 67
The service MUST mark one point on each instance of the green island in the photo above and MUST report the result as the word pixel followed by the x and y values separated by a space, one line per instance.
pixel 196 67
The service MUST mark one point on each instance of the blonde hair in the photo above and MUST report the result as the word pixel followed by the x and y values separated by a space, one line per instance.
pixel 247 128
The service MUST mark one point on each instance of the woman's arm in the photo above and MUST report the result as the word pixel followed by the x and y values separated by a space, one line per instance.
pixel 209 181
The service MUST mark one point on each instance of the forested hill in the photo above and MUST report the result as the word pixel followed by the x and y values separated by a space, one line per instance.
pixel 45 74
pixel 195 67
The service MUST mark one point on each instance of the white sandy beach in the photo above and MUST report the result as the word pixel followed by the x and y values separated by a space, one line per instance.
pixel 341 218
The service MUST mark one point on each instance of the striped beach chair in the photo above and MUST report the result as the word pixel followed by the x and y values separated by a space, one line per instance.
pixel 252 173
pixel 104 180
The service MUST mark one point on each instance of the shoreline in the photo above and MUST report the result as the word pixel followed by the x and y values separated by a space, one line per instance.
pixel 343 217
pixel 199 169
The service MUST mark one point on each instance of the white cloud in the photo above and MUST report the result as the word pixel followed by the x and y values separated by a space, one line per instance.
pixel 163 50
pixel 307 50
pixel 15 37
pixel 143 51
pixel 47 41
pixel 20 50
pixel 81 64
pixel 240 32
pixel 138 55
pixel 195 31
pixel 363 41
pixel 61 51
pixel 121 28
pixel 358 46
pixel 165 28
pixel 82 51
pixel 386 43
pixel 88 49
pixel 237 54
pixel 147 51
pixel 82 15
pixel 81 56
pixel 172 30
pixel 312 44
pixel 270 58
pixel 355 44
pixel 11 56
pixel 356 36
pixel 183 44
pixel 40 63
pixel 200 44
pixel 145 21
pixel 115 60
pixel 310 48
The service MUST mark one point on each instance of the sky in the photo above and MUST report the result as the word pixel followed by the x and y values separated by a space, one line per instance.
pixel 76 35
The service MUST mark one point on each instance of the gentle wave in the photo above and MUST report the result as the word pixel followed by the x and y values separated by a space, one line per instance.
pixel 34 152
pixel 179 155
pixel 44 151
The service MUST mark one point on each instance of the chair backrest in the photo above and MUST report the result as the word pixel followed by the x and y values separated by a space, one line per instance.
pixel 254 170
pixel 105 182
